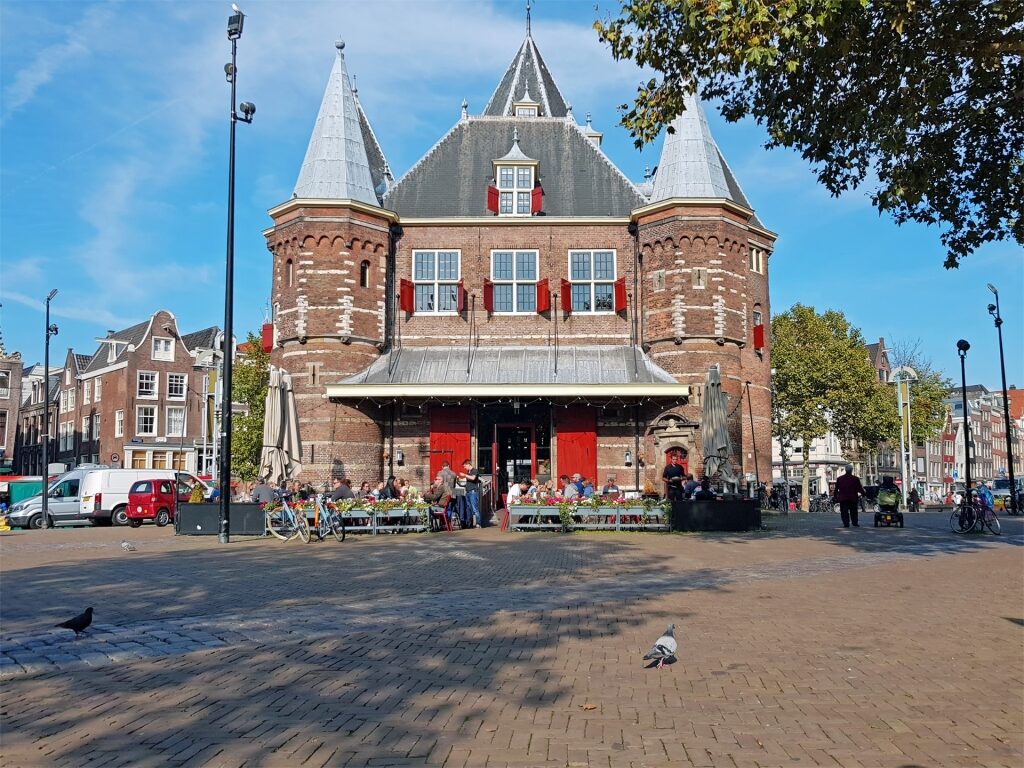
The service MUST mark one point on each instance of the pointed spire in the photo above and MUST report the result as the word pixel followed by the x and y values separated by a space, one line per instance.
pixel 527 72
pixel 465 111
pixel 691 164
pixel 515 153
pixel 568 114
pixel 336 165
pixel 528 18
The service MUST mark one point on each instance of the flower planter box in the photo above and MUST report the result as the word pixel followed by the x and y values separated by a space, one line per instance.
pixel 534 517
pixel 611 517
pixel 398 520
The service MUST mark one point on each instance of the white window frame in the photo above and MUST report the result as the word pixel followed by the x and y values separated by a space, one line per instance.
pixel 138 420
pixel 86 428
pixel 5 385
pixel 516 282
pixel 699 277
pixel 71 399
pixel 436 282
pixel 86 392
pixel 757 260
pixel 184 386
pixel 95 426
pixel 119 423
pixel 67 377
pixel 3 428
pixel 97 389
pixel 757 316
pixel 527 110
pixel 165 355
pixel 592 281
pixel 167 420
pixel 156 385
pixel 511 196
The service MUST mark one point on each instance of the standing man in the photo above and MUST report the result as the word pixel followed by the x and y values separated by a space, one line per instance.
pixel 848 493
pixel 472 480
pixel 447 476
pixel 673 476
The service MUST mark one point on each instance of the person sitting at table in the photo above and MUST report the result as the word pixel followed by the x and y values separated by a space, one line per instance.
pixel 569 490
pixel 588 489
pixel 516 490
pixel 610 490
pixel 705 493
pixel 439 496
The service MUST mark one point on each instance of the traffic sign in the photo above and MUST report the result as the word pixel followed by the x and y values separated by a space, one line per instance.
pixel 114 457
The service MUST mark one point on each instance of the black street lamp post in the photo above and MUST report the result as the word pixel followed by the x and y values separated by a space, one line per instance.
pixel 235 23
pixel 51 330
pixel 993 309
pixel 782 450
pixel 962 346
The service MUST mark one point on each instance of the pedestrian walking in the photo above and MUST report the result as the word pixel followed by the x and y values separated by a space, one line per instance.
pixel 848 493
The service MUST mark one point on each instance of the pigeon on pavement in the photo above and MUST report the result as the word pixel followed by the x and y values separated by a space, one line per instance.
pixel 79 623
pixel 127 546
pixel 664 648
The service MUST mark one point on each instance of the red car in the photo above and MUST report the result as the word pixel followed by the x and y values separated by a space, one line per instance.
pixel 154 500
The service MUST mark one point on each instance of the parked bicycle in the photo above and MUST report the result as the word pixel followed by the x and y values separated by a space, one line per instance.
pixel 822 504
pixel 285 523
pixel 328 521
pixel 974 516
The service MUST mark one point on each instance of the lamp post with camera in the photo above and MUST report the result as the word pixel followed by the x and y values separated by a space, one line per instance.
pixel 962 346
pixel 247 109
pixel 993 309
pixel 51 330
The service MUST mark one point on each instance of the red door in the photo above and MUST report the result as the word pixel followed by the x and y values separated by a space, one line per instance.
pixel 577 441
pixel 680 454
pixel 449 437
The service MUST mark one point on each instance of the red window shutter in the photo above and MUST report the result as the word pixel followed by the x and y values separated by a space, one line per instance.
pixel 759 336
pixel 488 295
pixel 406 296
pixel 577 440
pixel 460 297
pixel 543 296
pixel 537 199
pixel 566 296
pixel 267 337
pixel 492 198
pixel 620 295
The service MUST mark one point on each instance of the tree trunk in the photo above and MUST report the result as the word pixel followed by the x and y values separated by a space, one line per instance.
pixel 805 482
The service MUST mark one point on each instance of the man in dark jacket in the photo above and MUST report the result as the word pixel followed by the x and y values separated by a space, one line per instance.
pixel 848 493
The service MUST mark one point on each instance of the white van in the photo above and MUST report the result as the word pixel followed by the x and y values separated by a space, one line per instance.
pixel 63 506
pixel 104 494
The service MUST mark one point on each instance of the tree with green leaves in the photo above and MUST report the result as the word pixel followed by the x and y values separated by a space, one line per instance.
pixel 824 382
pixel 249 386
pixel 926 97
pixel 928 392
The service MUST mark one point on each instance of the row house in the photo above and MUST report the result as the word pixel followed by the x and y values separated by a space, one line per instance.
pixel 981 413
pixel 141 400
pixel 29 447
pixel 515 299
pixel 11 367
pixel 935 462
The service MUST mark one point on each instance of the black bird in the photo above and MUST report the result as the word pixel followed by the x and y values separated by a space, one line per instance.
pixel 79 623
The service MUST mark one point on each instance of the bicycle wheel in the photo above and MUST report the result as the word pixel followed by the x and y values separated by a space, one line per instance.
pixel 336 526
pixel 992 521
pixel 277 527
pixel 302 526
pixel 962 520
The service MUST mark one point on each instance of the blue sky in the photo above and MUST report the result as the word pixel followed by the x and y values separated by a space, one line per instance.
pixel 113 163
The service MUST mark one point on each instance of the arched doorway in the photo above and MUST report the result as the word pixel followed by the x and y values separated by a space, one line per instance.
pixel 681 455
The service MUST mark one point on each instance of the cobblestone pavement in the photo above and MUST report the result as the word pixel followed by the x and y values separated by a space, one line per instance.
pixel 805 644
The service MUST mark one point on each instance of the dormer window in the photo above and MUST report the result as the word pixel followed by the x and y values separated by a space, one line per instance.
pixel 526 106
pixel 525 110
pixel 517 191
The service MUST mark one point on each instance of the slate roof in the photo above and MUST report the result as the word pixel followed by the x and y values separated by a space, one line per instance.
pixel 132 335
pixel 691 165
pixel 336 166
pixel 380 171
pixel 82 361
pixel 527 74
pixel 596 364
pixel 203 339
pixel 452 178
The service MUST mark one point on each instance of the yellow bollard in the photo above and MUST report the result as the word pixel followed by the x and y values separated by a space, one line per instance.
pixel 3 524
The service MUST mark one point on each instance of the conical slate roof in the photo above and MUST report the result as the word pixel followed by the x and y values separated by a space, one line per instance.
pixel 691 164
pixel 336 165
pixel 527 74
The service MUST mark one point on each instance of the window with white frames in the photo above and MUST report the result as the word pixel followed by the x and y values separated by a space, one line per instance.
pixel 515 188
pixel 757 260
pixel 145 420
pixel 71 399
pixel 67 377
pixel 63 401
pixel 700 277
pixel 435 276
pixel 147 385
pixel 514 274
pixel 97 389
pixel 96 426
pixel 175 422
pixel 118 423
pixel 592 274
pixel 3 429
pixel 5 384
pixel 85 428
pixel 163 348
pixel 86 392
pixel 175 386
pixel 758 318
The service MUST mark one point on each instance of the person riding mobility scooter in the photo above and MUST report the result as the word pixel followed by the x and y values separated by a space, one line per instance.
pixel 888 512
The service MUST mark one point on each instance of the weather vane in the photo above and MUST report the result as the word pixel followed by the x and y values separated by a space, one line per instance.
pixel 528 4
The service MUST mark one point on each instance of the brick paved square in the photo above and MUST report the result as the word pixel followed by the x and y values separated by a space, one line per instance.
pixel 801 645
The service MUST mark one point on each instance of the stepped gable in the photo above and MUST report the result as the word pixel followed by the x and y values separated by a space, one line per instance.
pixel 336 166
pixel 527 75
pixel 451 180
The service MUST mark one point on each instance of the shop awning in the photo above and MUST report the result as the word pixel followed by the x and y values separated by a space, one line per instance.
pixel 579 372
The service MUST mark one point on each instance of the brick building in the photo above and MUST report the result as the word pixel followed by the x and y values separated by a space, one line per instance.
pixel 29 447
pixel 514 298
pixel 11 367
pixel 138 401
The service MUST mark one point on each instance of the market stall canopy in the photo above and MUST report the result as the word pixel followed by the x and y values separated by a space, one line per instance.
pixel 603 371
